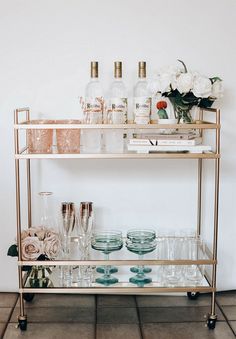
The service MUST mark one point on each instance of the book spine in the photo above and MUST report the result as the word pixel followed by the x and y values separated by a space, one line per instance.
pixel 192 142
pixel 166 142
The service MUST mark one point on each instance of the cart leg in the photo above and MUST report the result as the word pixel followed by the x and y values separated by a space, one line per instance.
pixel 22 318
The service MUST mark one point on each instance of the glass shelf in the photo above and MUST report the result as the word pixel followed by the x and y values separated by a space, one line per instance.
pixel 122 257
pixel 158 282
pixel 197 125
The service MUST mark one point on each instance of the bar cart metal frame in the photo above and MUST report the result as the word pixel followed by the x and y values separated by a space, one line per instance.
pixel 193 291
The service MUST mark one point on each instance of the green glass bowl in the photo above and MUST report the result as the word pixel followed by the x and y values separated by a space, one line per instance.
pixel 107 241
pixel 141 236
pixel 141 248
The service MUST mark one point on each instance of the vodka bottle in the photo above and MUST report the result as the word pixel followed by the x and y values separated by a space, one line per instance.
pixel 117 112
pixel 142 99
pixel 93 98
pixel 118 102
pixel 93 112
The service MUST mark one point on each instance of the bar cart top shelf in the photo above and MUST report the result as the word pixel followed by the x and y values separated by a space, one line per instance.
pixel 59 124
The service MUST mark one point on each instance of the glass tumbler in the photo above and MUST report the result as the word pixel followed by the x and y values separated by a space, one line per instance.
pixel 195 273
pixel 68 140
pixel 39 140
pixel 114 140
pixel 173 273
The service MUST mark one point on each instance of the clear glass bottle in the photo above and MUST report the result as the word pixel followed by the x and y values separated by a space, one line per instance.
pixel 142 98
pixel 117 112
pixel 118 102
pixel 93 112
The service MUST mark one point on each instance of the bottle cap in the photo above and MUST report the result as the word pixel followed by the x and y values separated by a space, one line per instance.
pixel 142 69
pixel 118 69
pixel 94 69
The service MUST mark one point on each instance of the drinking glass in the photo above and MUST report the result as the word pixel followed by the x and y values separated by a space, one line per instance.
pixel 195 273
pixel 40 140
pixel 46 219
pixel 86 218
pixel 136 235
pixel 91 140
pixel 107 242
pixel 173 273
pixel 68 140
pixel 141 242
pixel 114 140
pixel 67 225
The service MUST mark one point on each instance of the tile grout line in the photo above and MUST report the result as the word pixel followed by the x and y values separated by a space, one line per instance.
pixel 224 315
pixel 96 317
pixel 139 318
pixel 10 315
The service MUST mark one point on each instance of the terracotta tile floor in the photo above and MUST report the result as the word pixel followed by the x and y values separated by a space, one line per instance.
pixel 118 317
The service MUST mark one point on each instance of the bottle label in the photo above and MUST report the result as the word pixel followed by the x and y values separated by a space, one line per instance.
pixel 142 120
pixel 118 111
pixel 93 110
pixel 142 107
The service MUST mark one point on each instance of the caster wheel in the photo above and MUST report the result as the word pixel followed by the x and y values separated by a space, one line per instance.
pixel 193 295
pixel 22 324
pixel 211 323
pixel 28 296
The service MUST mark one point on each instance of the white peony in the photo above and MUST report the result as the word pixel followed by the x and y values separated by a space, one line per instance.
pixel 154 86
pixel 184 82
pixel 217 89
pixel 165 81
pixel 31 248
pixel 202 87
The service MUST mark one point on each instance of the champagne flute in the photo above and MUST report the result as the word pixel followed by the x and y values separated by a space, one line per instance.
pixel 68 223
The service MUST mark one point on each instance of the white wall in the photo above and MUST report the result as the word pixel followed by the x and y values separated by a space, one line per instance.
pixel 45 50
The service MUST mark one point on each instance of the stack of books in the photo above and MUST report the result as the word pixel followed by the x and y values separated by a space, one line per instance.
pixel 178 142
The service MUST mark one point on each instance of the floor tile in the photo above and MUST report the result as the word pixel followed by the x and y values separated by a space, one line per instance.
pixel 61 300
pixel 172 301
pixel 116 301
pixel 230 312
pixel 233 325
pixel 5 314
pixel 2 329
pixel 8 299
pixel 186 331
pixel 175 314
pixel 118 331
pixel 226 298
pixel 52 331
pixel 110 315
pixel 56 314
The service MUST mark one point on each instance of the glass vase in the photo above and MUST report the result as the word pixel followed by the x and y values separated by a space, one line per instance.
pixel 183 114
pixel 38 277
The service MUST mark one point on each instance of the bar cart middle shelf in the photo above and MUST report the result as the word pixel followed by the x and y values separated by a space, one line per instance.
pixel 209 279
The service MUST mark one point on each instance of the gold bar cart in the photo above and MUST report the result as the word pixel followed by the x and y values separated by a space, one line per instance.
pixel 21 154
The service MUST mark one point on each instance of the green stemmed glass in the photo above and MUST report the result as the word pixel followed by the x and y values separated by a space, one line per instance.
pixel 107 242
pixel 141 242
pixel 137 236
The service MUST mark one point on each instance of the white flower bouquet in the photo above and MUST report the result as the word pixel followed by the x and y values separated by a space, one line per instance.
pixel 186 89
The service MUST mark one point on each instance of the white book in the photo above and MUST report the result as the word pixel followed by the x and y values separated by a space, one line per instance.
pixel 171 148
pixel 166 142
